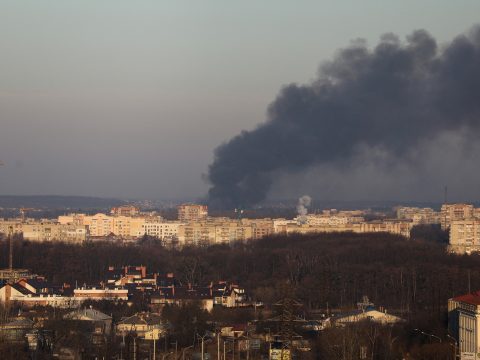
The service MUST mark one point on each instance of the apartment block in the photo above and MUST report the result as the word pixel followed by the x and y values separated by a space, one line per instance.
pixel 454 212
pixel 127 210
pixel 464 236
pixel 418 215
pixel 192 212
pixel 46 230
pixel 464 323
pixel 329 220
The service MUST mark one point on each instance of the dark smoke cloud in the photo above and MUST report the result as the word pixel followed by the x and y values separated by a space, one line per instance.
pixel 394 97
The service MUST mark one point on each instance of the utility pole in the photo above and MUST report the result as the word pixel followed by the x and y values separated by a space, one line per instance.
pixel 203 344
pixel 218 345
pixel 134 349
pixel 10 240
pixel 176 348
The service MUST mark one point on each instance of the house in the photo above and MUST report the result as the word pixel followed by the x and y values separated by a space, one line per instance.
pixel 183 295
pixel 316 325
pixel 140 324
pixel 15 330
pixel 16 293
pixel 228 295
pixel 13 292
pixel 367 314
pixel 234 331
pixel 102 323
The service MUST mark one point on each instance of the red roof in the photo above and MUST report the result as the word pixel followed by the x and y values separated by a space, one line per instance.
pixel 473 298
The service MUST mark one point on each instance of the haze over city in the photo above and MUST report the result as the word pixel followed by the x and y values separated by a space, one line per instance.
pixel 131 99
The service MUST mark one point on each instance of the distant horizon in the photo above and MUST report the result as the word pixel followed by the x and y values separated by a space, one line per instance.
pixel 265 204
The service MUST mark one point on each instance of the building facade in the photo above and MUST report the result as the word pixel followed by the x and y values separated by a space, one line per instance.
pixel 192 212
pixel 464 322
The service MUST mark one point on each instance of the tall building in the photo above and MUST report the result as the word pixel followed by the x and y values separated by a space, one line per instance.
pixel 192 212
pixel 464 236
pixel 453 212
pixel 464 323
pixel 126 210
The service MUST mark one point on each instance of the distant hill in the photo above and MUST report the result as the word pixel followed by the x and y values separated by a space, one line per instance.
pixel 57 202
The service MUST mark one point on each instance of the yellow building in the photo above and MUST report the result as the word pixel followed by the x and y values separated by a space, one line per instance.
pixel 464 236
pixel 46 230
pixel 454 212
pixel 192 212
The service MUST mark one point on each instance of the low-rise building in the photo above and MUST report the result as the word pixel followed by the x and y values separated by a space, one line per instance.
pixel 94 293
pixel 101 324
pixel 368 314
pixel 141 324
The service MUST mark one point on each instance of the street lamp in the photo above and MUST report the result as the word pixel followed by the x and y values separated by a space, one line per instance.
pixel 427 334
pixel 454 346
pixel 183 351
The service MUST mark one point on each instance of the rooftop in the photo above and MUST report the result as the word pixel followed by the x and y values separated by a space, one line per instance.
pixel 473 298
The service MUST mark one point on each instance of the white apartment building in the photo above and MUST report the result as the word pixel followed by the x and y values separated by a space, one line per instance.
pixel 397 227
pixel 464 323
pixel 329 220
pixel 165 230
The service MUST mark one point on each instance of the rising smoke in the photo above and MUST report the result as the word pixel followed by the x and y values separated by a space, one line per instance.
pixel 303 204
pixel 302 208
pixel 393 97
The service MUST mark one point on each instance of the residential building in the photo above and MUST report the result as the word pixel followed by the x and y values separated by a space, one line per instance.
pixel 399 227
pixel 464 322
pixel 418 215
pixel 454 212
pixel 20 295
pixel 464 236
pixel 192 212
pixel 99 224
pixel 16 329
pixel 101 323
pixel 329 220
pixel 94 293
pixel 368 314
pixel 126 210
pixel 141 324
pixel 46 230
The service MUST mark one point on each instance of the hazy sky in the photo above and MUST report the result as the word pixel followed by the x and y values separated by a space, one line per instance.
pixel 130 98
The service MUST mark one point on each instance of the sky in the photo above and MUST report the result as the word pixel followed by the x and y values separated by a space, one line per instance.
pixel 129 99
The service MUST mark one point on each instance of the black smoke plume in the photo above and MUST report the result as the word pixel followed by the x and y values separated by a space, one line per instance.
pixel 393 96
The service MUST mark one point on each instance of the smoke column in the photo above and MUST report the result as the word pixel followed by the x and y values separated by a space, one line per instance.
pixel 302 208
pixel 395 97
pixel 303 203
